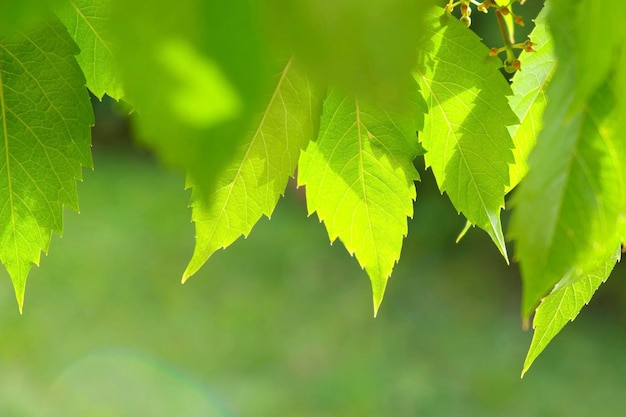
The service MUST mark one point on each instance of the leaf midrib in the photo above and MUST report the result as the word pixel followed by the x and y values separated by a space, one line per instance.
pixel 452 134
pixel 5 132
pixel 255 136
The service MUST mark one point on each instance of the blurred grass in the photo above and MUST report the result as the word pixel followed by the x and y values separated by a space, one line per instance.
pixel 280 323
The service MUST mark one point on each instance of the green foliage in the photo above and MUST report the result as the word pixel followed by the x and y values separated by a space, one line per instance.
pixel 342 41
pixel 576 182
pixel 45 118
pixel 529 98
pixel 469 155
pixel 249 187
pixel 359 179
pixel 197 82
pixel 23 14
pixel 369 87
pixel 563 305
pixel 86 21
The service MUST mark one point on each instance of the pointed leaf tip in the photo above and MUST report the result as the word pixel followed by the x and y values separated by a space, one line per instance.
pixel 250 186
pixel 562 306
pixel 359 177
pixel 40 82
pixel 497 235
pixel 460 87
pixel 378 293
pixel 20 301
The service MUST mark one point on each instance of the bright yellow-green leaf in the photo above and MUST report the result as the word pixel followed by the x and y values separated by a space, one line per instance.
pixel 359 178
pixel 45 119
pixel 88 22
pixel 465 130
pixel 562 305
pixel 529 97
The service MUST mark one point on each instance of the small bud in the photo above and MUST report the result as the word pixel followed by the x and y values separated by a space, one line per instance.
pixel 493 52
pixel 528 46
pixel 449 8
pixel 504 10
pixel 483 7
pixel 466 10
pixel 519 21
pixel 512 66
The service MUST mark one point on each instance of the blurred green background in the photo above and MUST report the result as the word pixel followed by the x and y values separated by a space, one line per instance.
pixel 281 323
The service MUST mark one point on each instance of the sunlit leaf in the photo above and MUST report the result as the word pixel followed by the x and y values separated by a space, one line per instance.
pixel 45 119
pixel 249 187
pixel 465 130
pixel 359 179
pixel 88 22
pixel 529 97
pixel 562 305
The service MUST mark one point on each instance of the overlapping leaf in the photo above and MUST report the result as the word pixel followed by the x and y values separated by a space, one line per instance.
pixel 366 48
pixel 88 22
pixel 563 305
pixel 251 185
pixel 359 178
pixel 576 186
pixel 590 33
pixel 23 14
pixel 529 97
pixel 45 119
pixel 569 210
pixel 465 133
pixel 195 73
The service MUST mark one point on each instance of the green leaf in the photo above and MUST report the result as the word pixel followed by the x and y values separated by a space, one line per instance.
pixel 88 22
pixel 23 14
pixel 366 48
pixel 465 134
pixel 45 119
pixel 590 33
pixel 569 210
pixel 562 305
pixel 359 178
pixel 195 74
pixel 251 185
pixel 529 97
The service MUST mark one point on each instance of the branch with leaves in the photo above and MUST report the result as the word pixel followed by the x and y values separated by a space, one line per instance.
pixel 239 95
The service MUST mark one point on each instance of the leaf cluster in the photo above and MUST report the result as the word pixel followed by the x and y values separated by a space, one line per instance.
pixel 242 95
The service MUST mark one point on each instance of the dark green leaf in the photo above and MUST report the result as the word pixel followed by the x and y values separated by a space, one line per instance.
pixel 196 74
pixel 367 48
pixel 23 14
